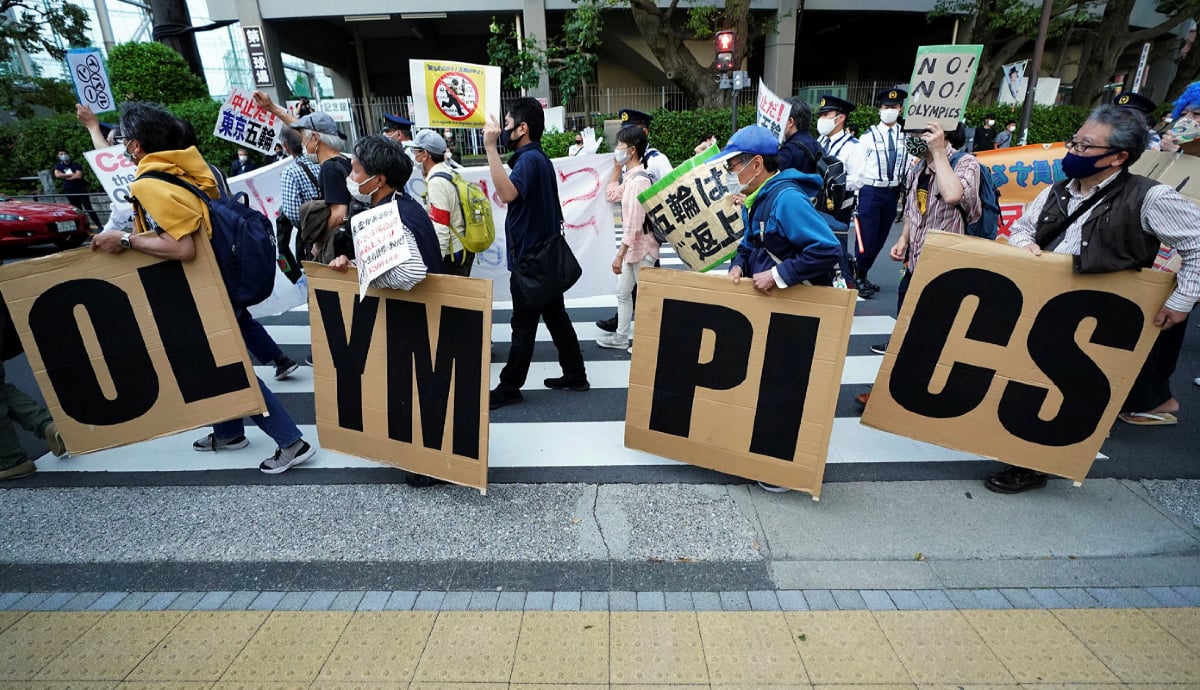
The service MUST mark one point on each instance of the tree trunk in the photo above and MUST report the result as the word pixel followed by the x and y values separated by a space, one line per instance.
pixel 697 82
pixel 1105 43
pixel 1186 73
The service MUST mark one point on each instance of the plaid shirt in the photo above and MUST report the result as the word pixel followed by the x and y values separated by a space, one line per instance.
pixel 938 214
pixel 295 188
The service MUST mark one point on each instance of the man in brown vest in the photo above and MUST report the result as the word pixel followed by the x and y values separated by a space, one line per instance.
pixel 1111 220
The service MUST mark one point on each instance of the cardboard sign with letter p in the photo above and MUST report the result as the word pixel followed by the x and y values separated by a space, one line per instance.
pixel 726 378
pixel 1015 357
pixel 940 86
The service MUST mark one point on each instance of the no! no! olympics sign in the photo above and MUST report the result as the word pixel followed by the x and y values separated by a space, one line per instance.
pixel 456 96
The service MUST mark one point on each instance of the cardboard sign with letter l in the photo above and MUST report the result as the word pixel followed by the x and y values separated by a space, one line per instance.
pixel 402 377
pixel 128 347
pixel 940 86
pixel 1015 357
pixel 727 378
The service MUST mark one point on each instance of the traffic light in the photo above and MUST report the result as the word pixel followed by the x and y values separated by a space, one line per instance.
pixel 725 40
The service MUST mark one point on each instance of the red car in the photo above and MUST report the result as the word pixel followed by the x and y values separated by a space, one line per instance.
pixel 23 223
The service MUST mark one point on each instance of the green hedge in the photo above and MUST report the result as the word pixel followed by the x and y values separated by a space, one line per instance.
pixel 1046 123
pixel 27 146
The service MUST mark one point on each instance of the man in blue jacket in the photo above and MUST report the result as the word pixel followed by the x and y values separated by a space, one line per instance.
pixel 786 242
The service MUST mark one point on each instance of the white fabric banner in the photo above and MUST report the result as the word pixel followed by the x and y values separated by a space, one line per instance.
pixel 262 186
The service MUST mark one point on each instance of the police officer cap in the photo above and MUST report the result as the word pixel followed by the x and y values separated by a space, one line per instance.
pixel 891 96
pixel 391 121
pixel 829 103
pixel 1136 101
pixel 629 116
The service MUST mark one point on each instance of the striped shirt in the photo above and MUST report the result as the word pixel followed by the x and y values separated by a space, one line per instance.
pixel 1166 214
pixel 938 214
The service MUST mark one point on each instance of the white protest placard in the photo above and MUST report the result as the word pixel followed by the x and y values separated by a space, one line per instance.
pixel 337 108
pixel 243 122
pixel 773 111
pixel 379 243
pixel 941 84
pixel 86 66
pixel 115 173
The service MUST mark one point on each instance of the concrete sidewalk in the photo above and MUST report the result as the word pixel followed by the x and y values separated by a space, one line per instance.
pixel 582 537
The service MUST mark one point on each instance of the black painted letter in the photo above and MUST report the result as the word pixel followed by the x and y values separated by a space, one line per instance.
pixel 787 365
pixel 349 354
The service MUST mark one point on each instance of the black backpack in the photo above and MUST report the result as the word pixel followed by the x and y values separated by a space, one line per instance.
pixel 243 242
pixel 832 198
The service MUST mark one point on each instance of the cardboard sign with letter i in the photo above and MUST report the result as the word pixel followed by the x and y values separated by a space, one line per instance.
pixel 940 86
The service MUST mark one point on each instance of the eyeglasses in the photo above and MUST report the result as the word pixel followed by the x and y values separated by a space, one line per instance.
pixel 1080 147
pixel 732 164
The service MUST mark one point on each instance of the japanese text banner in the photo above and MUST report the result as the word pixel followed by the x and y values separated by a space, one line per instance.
pixel 702 222
pixel 1020 174
pixel 773 111
pixel 244 123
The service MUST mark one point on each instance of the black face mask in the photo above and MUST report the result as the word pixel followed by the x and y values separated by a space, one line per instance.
pixel 506 139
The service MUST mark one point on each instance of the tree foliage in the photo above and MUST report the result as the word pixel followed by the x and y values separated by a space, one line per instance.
pixel 20 95
pixel 42 27
pixel 152 72
pixel 569 59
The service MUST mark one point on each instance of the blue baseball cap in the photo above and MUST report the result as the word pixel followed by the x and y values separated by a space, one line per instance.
pixel 753 139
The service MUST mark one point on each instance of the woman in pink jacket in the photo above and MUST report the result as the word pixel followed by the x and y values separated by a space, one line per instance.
pixel 638 248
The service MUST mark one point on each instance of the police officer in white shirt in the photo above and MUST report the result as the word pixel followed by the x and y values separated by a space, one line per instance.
pixel 886 164
pixel 832 115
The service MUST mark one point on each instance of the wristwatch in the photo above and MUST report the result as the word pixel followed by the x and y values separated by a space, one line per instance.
pixel 125 241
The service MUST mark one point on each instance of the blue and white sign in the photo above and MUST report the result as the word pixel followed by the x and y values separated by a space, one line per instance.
pixel 86 66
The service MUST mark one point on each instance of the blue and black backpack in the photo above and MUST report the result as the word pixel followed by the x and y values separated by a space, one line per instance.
pixel 989 201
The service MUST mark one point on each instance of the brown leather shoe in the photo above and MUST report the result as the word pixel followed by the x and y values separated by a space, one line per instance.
pixel 17 471
pixel 862 398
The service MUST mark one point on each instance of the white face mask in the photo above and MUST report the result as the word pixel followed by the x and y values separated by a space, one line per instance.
pixel 310 157
pixel 825 125
pixel 991 123
pixel 242 158
pixel 621 155
pixel 732 183
pixel 1012 128
pixel 889 115
pixel 355 187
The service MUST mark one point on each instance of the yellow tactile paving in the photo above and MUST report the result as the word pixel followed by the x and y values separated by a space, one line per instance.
pixel 562 648
pixel 201 647
pixel 29 644
pixel 379 647
pixel 845 647
pixel 1036 648
pixel 1183 624
pixel 457 650
pixel 470 647
pixel 941 647
pixel 657 649
pixel 289 647
pixel 1133 646
pixel 112 647
pixel 7 618
pixel 746 649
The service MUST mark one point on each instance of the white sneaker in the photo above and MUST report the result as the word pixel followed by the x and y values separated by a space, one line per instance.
pixel 1197 381
pixel 773 489
pixel 613 341
pixel 284 459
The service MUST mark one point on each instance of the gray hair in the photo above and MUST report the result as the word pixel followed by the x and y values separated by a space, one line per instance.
pixel 291 140
pixel 1128 130
pixel 333 141
pixel 801 114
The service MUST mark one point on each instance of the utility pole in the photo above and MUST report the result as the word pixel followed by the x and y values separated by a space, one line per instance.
pixel 173 28
pixel 1031 83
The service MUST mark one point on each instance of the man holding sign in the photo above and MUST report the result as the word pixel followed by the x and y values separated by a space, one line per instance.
pixel 1111 220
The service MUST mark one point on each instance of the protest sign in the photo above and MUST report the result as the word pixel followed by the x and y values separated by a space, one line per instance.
pixel 379 243
pixel 454 94
pixel 86 66
pixel 424 357
pixel 1012 86
pixel 726 378
pixel 940 86
pixel 115 173
pixel 262 187
pixel 587 221
pixel 336 108
pixel 1010 356
pixel 1020 174
pixel 243 122
pixel 773 111
pixel 129 347
pixel 702 222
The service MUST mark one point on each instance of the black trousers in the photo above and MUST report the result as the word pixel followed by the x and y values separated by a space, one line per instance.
pixel 83 202
pixel 459 264
pixel 524 331
pixel 1152 387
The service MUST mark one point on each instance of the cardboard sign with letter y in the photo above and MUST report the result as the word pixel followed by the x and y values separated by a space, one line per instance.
pixel 1015 357
pixel 128 347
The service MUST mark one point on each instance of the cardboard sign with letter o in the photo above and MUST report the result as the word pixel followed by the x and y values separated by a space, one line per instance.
pixel 402 377
pixel 128 347
pixel 1015 357
pixel 733 380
